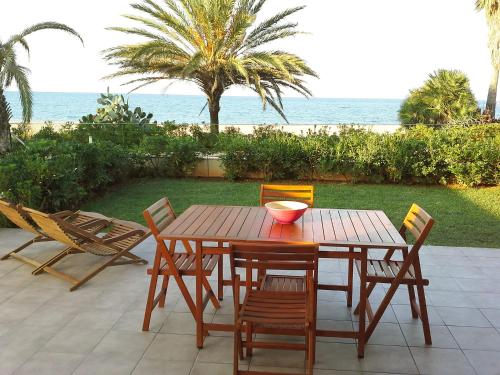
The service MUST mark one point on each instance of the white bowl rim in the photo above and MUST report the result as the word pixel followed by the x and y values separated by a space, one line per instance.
pixel 286 205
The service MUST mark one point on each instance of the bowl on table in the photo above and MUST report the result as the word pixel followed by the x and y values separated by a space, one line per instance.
pixel 286 212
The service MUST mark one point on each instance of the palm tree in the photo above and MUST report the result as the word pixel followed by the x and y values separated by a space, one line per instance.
pixel 12 72
pixel 215 44
pixel 492 12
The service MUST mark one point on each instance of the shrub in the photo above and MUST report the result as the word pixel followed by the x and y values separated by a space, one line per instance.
pixel 170 156
pixel 52 175
pixel 445 98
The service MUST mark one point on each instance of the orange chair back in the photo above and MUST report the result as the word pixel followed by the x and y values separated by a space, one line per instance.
pixel 299 193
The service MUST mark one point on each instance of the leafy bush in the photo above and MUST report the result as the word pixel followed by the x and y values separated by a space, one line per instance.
pixel 170 156
pixel 445 98
pixel 51 175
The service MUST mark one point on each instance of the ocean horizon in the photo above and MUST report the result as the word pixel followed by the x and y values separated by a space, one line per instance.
pixel 235 110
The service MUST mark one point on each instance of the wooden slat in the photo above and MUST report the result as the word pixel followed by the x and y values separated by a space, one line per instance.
pixel 327 225
pixel 257 224
pixel 349 229
pixel 209 221
pixel 234 212
pixel 396 237
pixel 267 225
pixel 319 235
pixel 172 228
pixel 187 220
pixel 379 227
pixel 236 227
pixel 369 227
pixel 247 224
pixel 307 227
pixel 337 225
pixel 218 222
pixel 358 226
pixel 201 222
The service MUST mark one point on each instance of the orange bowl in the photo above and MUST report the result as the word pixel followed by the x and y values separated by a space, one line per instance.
pixel 286 212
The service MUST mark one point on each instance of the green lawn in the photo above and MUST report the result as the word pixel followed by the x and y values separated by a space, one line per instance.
pixel 464 217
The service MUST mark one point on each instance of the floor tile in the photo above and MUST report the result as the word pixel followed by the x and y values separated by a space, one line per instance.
pixel 441 336
pixel 463 316
pixel 129 344
pixel 441 361
pixel 493 316
pixel 106 364
pixel 173 347
pixel 476 338
pixel 75 340
pixel 484 362
pixel 45 363
pixel 212 369
pixel 155 366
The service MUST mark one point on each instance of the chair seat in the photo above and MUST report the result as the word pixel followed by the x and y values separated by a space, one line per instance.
pixel 380 270
pixel 280 283
pixel 186 264
pixel 274 308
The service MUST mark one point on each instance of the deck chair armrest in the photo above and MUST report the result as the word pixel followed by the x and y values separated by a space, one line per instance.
pixel 79 232
pixel 64 214
pixel 123 236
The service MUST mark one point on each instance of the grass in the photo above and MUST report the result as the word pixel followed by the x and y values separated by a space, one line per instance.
pixel 464 217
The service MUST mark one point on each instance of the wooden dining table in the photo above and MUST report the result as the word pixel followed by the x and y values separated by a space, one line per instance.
pixel 341 234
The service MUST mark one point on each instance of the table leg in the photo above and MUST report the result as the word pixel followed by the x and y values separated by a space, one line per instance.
pixel 350 278
pixel 199 296
pixel 363 295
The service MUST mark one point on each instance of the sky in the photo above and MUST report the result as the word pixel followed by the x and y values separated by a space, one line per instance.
pixel 360 49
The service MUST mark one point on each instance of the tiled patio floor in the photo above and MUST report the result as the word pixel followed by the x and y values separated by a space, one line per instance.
pixel 45 329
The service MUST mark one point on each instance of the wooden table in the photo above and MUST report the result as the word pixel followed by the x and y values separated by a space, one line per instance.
pixel 356 231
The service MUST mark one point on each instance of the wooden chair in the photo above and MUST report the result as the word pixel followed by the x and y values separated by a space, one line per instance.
pixel 116 244
pixel 299 193
pixel 407 272
pixel 88 221
pixel 168 263
pixel 279 302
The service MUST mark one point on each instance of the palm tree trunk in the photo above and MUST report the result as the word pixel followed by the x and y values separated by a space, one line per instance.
pixel 491 102
pixel 5 116
pixel 214 109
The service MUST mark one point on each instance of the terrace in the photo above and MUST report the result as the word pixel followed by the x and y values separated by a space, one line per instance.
pixel 45 329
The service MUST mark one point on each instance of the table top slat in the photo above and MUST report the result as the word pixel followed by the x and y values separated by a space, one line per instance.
pixel 380 228
pixel 319 234
pixel 201 224
pixel 369 227
pixel 222 213
pixel 328 229
pixel 236 227
pixel 358 226
pixel 229 221
pixel 350 232
pixel 337 225
pixel 393 232
pixel 190 220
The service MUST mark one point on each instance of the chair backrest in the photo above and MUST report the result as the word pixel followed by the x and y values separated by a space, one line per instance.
pixel 263 257
pixel 419 223
pixel 299 193
pixel 15 214
pixel 53 227
pixel 159 216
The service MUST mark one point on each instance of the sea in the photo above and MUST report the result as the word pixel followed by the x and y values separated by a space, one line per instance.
pixel 235 110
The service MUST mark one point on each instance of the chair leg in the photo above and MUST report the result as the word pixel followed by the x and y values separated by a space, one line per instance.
pixel 423 314
pixel 350 272
pixel 100 268
pixel 220 278
pixel 310 351
pixel 210 292
pixel 249 337
pixel 411 295
pixel 150 301
pixel 163 292
pixel 23 246
pixel 56 258
pixel 369 291
pixel 236 350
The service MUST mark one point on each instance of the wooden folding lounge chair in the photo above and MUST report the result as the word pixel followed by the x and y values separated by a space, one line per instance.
pixel 407 272
pixel 88 221
pixel 168 263
pixel 279 303
pixel 116 244
pixel 299 193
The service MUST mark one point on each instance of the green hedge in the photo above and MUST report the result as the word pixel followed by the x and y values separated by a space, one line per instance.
pixel 464 155
pixel 60 170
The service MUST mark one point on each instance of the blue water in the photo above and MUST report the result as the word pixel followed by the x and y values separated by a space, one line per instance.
pixel 234 110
